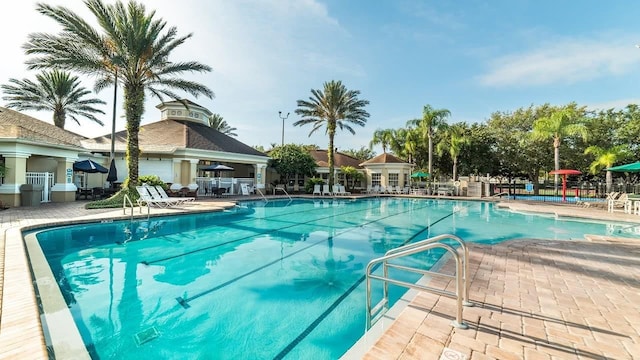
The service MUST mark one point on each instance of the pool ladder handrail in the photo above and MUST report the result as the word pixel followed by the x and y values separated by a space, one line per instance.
pixel 126 200
pixel 461 276
pixel 261 194
pixel 283 190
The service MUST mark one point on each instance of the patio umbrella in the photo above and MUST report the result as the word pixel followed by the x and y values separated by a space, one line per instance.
pixel 633 167
pixel 216 167
pixel 419 174
pixel 89 166
pixel 113 172
pixel 564 173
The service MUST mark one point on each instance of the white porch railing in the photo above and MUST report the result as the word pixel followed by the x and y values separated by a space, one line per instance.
pixel 205 184
pixel 42 178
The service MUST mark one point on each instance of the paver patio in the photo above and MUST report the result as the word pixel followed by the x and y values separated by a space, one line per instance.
pixel 535 299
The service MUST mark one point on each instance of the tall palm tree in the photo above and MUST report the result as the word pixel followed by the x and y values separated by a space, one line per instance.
pixel 606 158
pixel 431 120
pixel 129 42
pixel 560 124
pixel 452 142
pixel 333 107
pixel 217 122
pixel 383 137
pixel 56 91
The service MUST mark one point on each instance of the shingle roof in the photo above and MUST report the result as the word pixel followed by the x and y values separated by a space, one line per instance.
pixel 169 135
pixel 339 159
pixel 384 158
pixel 16 125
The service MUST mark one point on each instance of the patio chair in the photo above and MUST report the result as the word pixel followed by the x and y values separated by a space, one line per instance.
pixel 147 200
pixel 343 191
pixel 335 189
pixel 621 202
pixel 163 195
pixel 325 190
pixel 316 190
pixel 155 195
pixel 244 189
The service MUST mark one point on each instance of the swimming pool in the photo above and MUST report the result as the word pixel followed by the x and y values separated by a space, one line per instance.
pixel 282 279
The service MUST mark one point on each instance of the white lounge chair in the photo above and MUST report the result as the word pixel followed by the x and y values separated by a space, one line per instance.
pixel 163 195
pixel 316 190
pixel 325 190
pixel 147 200
pixel 171 201
pixel 343 191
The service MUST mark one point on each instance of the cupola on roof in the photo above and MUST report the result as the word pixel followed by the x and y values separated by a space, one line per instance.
pixel 184 110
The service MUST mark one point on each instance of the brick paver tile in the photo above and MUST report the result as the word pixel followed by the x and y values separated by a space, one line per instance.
pixel 502 354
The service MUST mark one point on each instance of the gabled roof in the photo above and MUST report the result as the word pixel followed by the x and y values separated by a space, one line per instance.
pixel 168 135
pixel 339 159
pixel 15 125
pixel 384 158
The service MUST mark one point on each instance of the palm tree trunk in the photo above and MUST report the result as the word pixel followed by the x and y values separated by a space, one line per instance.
pixel 430 155
pixel 609 181
pixel 134 107
pixel 556 161
pixel 455 168
pixel 330 157
pixel 59 117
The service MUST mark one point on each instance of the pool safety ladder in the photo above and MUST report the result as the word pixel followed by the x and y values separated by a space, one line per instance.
pixel 126 200
pixel 275 190
pixel 460 255
pixel 261 194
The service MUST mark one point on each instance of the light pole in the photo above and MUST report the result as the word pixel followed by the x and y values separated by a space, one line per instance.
pixel 283 119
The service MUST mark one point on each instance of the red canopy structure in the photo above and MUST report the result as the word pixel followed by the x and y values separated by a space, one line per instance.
pixel 564 173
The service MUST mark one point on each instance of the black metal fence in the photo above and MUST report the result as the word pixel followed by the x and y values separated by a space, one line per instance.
pixel 548 192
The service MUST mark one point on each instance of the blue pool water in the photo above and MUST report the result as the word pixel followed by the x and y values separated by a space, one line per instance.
pixel 282 279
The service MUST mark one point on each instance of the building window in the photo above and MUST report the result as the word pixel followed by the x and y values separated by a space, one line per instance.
pixel 375 179
pixel 406 179
pixel 393 179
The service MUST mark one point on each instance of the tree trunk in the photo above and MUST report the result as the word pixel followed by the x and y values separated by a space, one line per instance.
pixel 556 161
pixel 59 117
pixel 430 154
pixel 332 132
pixel 609 181
pixel 134 107
pixel 455 168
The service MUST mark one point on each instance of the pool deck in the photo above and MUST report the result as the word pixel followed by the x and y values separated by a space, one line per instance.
pixel 535 299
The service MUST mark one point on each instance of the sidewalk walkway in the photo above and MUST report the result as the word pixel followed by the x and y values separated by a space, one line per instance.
pixel 535 299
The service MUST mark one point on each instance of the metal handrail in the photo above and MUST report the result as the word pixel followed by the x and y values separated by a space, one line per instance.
pixel 261 194
pixel 462 282
pixel 283 190
pixel 124 207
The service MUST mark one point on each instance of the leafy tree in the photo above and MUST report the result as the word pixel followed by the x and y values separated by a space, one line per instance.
pixel 432 119
pixel 56 91
pixel 383 137
pixel 479 157
pixel 131 45
pixel 454 138
pixel 217 122
pixel 559 125
pixel 516 152
pixel 363 153
pixel 292 159
pixel 333 107
pixel 606 158
pixel 351 173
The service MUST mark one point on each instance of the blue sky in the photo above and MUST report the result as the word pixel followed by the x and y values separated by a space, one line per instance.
pixel 471 57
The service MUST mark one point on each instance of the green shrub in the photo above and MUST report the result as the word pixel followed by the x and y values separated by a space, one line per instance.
pixel 308 187
pixel 152 180
pixel 114 201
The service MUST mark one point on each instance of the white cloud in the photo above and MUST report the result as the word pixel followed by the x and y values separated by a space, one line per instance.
pixel 613 104
pixel 563 61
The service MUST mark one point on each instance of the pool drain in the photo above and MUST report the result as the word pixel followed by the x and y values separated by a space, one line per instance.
pixel 145 336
